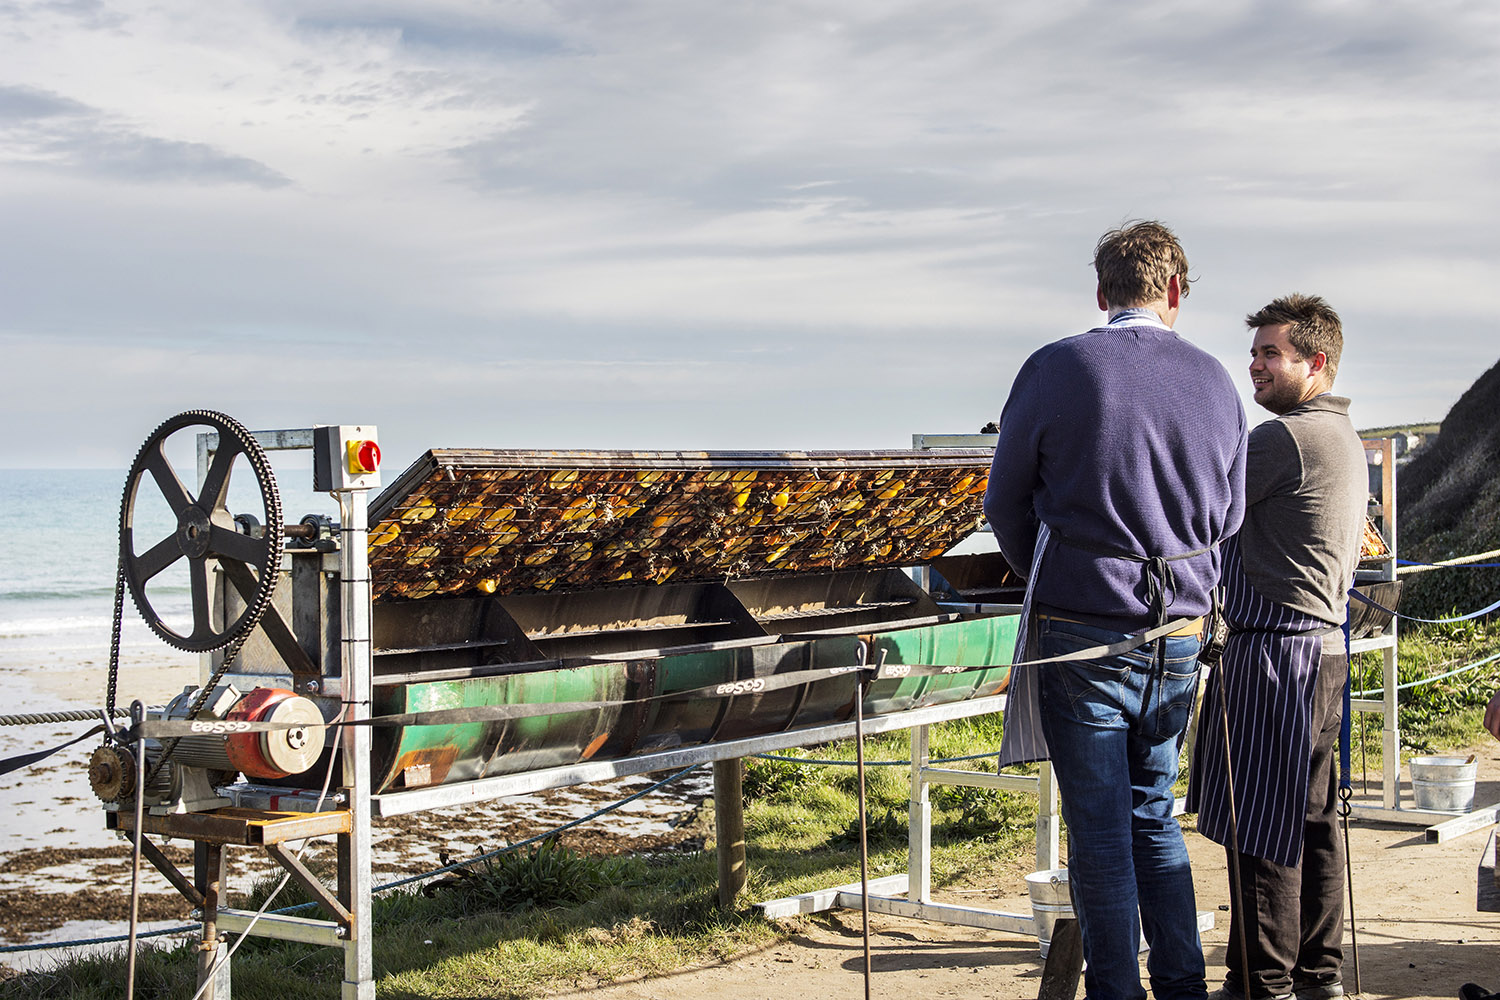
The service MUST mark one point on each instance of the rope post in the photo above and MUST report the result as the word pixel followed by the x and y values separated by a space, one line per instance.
pixel 860 687
pixel 1237 901
pixel 137 714
pixel 1344 809
pixel 1346 789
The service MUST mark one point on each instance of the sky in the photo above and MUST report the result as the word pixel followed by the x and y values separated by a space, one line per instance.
pixel 679 224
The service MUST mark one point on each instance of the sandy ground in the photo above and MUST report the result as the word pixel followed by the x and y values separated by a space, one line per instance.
pixel 62 876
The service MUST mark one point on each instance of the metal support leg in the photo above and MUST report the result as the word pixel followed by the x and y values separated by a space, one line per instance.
pixel 1048 826
pixel 213 974
pixel 1391 736
pixel 729 828
pixel 919 823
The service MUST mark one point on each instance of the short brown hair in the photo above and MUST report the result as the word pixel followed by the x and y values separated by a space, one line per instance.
pixel 1135 262
pixel 1315 327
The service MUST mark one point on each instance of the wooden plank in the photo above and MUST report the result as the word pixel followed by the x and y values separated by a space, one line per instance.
pixel 1064 963
pixel 237 826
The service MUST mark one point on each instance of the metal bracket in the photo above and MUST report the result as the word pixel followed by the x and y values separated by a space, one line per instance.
pixel 302 667
pixel 310 882
pixel 179 881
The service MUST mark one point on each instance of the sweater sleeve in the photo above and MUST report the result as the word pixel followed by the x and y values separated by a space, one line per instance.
pixel 1238 476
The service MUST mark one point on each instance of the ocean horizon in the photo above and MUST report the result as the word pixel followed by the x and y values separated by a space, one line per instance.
pixel 59 550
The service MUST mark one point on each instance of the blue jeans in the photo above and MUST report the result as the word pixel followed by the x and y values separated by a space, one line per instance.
pixel 1114 729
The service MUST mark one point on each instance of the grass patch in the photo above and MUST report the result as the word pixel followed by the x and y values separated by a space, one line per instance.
pixel 1433 714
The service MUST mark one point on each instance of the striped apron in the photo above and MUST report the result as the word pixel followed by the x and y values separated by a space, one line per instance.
pixel 1270 672
pixel 1021 740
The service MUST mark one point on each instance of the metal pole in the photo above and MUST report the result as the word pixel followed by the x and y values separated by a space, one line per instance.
pixel 1237 900
pixel 1344 810
pixel 864 842
pixel 919 823
pixel 356 670
pixel 1048 825
pixel 137 714
pixel 208 947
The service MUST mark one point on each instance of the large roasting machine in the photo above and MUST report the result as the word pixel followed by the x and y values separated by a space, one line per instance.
pixel 504 621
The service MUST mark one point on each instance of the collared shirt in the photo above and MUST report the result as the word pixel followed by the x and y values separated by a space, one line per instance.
pixel 1137 316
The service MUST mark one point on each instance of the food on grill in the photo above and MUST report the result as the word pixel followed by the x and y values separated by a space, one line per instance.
pixel 513 522
pixel 1373 545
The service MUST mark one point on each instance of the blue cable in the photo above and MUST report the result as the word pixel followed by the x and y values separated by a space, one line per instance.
pixel 1429 680
pixel 1430 621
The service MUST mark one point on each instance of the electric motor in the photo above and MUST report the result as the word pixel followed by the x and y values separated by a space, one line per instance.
pixel 207 760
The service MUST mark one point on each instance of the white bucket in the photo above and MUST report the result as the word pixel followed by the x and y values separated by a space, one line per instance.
pixel 1051 901
pixel 1443 784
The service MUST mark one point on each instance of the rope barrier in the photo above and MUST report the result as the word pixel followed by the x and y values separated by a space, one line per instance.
pixel 874 763
pixel 1356 595
pixel 47 718
pixel 1408 566
pixel 111 939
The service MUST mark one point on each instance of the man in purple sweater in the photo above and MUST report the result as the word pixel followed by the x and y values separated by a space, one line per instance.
pixel 1119 469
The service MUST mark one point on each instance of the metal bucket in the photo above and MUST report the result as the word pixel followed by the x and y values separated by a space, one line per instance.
pixel 1051 901
pixel 1443 784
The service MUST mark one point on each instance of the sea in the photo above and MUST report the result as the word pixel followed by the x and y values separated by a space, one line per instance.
pixel 59 545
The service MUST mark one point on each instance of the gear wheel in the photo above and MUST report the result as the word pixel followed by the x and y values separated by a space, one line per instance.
pixel 112 773
pixel 206 531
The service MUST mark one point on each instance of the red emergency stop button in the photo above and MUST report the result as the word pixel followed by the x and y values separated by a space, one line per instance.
pixel 364 457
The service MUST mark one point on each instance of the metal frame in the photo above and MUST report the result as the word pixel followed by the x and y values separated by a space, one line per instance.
pixel 916 883
pixel 1441 826
pixel 484 789
pixel 363 805
pixel 356 672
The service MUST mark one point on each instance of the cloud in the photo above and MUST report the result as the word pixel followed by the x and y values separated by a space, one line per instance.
pixel 47 131
pixel 573 220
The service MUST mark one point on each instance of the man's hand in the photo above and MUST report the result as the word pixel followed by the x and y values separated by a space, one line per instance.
pixel 1492 716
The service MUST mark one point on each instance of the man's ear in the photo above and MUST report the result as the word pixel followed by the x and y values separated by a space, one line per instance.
pixel 1174 292
pixel 1099 295
pixel 1317 363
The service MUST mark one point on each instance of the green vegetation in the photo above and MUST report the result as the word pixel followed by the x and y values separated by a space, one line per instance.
pixel 543 920
pixel 1449 505
pixel 1431 427
pixel 1442 714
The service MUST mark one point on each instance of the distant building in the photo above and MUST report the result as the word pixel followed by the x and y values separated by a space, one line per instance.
pixel 1406 442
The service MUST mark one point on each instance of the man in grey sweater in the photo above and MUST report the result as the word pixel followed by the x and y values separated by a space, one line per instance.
pixel 1286 577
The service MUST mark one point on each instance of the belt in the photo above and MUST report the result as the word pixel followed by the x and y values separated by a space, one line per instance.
pixel 1194 627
